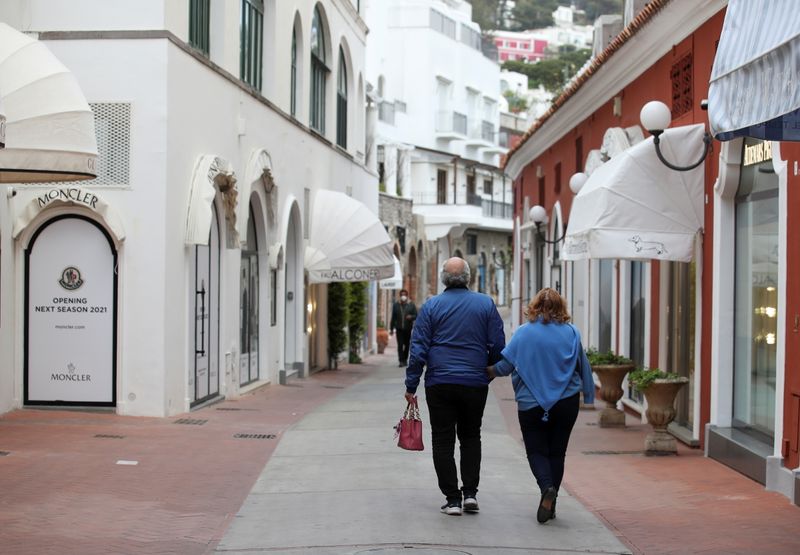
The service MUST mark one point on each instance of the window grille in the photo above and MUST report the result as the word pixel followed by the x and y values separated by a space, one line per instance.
pixel 112 125
pixel 252 40
pixel 681 76
pixel 199 20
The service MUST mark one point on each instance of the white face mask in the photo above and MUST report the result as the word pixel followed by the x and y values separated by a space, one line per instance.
pixel 403 298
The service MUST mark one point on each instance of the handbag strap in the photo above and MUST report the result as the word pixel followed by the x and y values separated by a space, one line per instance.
pixel 412 411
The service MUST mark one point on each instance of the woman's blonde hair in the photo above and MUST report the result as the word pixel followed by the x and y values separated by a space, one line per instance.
pixel 548 305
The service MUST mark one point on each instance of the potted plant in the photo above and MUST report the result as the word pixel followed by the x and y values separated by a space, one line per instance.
pixel 611 369
pixel 381 336
pixel 660 389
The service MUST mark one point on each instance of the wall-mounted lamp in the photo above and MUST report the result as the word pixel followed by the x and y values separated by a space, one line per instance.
pixel 539 216
pixel 656 117
pixel 577 181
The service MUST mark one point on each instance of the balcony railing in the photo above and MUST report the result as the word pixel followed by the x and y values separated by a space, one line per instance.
pixel 489 208
pixel 494 209
pixel 451 122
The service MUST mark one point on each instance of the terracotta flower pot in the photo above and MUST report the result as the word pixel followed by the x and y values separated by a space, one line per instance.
pixel 660 412
pixel 382 338
pixel 611 376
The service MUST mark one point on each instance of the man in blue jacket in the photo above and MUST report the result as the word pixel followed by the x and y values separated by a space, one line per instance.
pixel 456 335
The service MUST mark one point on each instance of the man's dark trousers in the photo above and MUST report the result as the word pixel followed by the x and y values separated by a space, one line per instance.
pixel 403 341
pixel 456 410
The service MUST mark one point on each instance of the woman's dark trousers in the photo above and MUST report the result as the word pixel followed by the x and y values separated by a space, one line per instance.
pixel 546 442
pixel 456 410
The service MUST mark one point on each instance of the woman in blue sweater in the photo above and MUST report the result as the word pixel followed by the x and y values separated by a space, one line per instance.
pixel 548 369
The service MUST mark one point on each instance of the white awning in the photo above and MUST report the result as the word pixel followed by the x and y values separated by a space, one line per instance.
pixel 634 207
pixel 210 173
pixel 49 125
pixel 396 281
pixel 755 87
pixel 347 241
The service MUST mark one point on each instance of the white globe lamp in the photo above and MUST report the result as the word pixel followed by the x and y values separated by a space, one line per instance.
pixel 655 117
pixel 538 214
pixel 577 181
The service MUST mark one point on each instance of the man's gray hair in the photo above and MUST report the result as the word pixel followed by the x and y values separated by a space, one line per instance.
pixel 457 279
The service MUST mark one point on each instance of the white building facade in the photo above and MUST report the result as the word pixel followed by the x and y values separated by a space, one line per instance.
pixel 180 275
pixel 437 130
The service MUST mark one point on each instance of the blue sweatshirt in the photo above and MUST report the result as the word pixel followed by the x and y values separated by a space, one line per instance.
pixel 547 363
pixel 457 334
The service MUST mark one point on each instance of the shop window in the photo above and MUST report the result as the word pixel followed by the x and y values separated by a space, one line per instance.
pixel 252 39
pixel 756 296
pixel 605 282
pixel 273 297
pixel 681 77
pixel 199 19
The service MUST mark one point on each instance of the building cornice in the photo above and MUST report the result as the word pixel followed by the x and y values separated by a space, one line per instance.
pixel 623 61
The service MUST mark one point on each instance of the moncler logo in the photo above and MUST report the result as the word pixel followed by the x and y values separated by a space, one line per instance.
pixel 70 278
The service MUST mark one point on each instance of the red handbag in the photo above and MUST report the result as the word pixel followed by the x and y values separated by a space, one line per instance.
pixel 409 430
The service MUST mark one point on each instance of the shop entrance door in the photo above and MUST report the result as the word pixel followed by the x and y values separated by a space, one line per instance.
pixel 70 315
pixel 248 307
pixel 204 303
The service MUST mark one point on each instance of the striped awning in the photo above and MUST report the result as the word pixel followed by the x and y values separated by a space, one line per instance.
pixel 755 82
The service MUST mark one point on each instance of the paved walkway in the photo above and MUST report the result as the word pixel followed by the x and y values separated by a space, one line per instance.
pixel 338 484
pixel 62 491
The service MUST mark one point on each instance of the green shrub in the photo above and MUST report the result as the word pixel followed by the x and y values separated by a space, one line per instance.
pixel 641 378
pixel 357 318
pixel 610 357
pixel 338 311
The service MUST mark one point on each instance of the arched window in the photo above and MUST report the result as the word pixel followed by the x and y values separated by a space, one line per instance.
pixel 341 103
pixel 293 91
pixel 319 73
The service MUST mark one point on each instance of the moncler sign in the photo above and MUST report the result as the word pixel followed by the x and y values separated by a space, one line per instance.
pixel 68 194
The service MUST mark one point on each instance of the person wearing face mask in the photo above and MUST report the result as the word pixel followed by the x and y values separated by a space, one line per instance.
pixel 404 312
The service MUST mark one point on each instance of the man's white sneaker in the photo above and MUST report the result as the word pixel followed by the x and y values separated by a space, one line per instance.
pixel 451 509
pixel 471 505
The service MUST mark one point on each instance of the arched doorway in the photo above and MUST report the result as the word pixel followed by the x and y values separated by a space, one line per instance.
pixel 249 299
pixel 204 316
pixel 70 314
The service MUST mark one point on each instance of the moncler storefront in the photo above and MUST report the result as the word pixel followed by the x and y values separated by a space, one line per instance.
pixel 68 239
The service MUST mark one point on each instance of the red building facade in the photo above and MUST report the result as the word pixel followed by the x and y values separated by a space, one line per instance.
pixel 726 319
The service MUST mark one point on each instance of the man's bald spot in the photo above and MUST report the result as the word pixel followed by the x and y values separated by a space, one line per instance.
pixel 455 265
